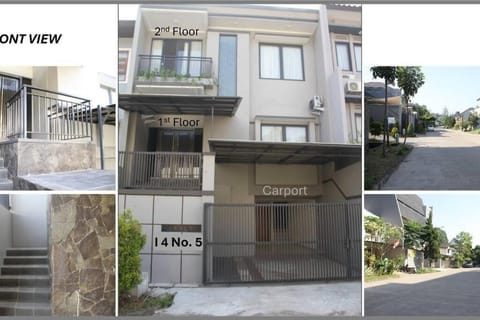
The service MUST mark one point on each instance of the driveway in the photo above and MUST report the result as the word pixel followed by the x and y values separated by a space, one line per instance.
pixel 441 160
pixel 325 299
pixel 452 292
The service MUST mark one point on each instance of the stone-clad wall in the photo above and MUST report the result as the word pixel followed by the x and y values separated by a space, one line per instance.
pixel 82 257
pixel 30 156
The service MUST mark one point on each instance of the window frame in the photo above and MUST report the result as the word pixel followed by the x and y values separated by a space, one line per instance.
pixel 128 51
pixel 280 57
pixel 347 44
pixel 284 131
pixel 359 45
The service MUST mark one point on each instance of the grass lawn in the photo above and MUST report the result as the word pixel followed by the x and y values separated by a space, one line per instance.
pixel 144 305
pixel 427 270
pixel 375 277
pixel 377 167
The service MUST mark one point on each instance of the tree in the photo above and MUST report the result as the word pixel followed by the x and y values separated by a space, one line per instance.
pixel 476 254
pixel 431 240
pixel 389 74
pixel 410 79
pixel 130 242
pixel 462 246
pixel 473 119
pixel 413 235
pixel 383 237
pixel 442 236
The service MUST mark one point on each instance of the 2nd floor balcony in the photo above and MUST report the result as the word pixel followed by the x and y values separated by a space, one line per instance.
pixel 44 114
pixel 160 170
pixel 155 70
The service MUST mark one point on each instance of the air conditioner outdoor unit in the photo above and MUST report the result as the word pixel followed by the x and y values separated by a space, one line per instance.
pixel 354 86
pixel 316 103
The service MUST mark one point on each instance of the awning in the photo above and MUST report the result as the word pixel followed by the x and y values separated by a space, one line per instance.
pixel 170 104
pixel 384 206
pixel 247 151
pixel 108 115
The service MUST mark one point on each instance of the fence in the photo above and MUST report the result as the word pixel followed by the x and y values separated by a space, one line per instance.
pixel 44 114
pixel 160 170
pixel 268 242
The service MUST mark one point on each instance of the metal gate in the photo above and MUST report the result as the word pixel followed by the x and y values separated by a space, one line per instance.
pixel 282 242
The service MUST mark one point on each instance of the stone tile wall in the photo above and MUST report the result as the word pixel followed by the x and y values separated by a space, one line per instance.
pixel 82 255
pixel 30 156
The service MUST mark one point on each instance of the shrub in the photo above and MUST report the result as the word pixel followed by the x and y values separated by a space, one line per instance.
pixel 410 132
pixel 394 132
pixel 130 242
pixel 385 266
pixel 376 128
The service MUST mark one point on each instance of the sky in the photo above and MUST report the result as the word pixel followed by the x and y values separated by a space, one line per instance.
pixel 456 88
pixel 455 212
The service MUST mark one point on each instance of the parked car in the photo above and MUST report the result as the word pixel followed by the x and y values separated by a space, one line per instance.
pixel 468 265
pixel 430 128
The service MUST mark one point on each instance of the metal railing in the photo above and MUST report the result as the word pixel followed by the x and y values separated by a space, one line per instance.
pixel 267 242
pixel 43 114
pixel 163 67
pixel 160 170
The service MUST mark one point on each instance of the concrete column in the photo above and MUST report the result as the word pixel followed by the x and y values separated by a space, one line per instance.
pixel 208 172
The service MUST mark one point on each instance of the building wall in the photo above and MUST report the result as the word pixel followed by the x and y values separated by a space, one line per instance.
pixel 29 220
pixel 5 226
pixel 170 263
pixel 82 258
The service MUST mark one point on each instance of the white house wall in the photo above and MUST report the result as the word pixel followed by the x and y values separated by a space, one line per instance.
pixel 29 220
pixel 5 229
pixel 177 264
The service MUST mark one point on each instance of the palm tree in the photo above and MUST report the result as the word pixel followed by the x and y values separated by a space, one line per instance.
pixel 410 79
pixel 389 74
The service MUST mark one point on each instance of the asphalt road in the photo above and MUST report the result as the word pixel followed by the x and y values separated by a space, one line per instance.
pixel 441 160
pixel 448 293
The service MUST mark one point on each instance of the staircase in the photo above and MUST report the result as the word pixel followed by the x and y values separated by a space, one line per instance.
pixel 25 283
pixel 5 184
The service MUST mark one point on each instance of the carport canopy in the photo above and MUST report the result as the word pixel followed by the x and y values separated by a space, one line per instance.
pixel 247 151
pixel 174 104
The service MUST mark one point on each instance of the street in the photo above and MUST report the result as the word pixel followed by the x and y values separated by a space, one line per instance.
pixel 451 292
pixel 441 160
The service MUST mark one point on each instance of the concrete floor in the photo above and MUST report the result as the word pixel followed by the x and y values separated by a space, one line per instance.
pixel 326 299
pixel 441 160
pixel 73 180
pixel 451 292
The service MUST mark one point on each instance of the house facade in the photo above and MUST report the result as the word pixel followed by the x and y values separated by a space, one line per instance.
pixel 238 144
pixel 64 111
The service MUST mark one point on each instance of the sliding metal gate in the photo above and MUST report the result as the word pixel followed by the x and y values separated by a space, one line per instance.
pixel 282 242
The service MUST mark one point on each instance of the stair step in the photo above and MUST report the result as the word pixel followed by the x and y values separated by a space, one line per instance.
pixel 25 260
pixel 24 309
pixel 25 281
pixel 25 294
pixel 27 252
pixel 25 269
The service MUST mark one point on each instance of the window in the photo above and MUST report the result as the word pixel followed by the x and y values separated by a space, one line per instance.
pixel 281 62
pixel 122 64
pixel 179 56
pixel 344 52
pixel 343 56
pixel 357 49
pixel 227 66
pixel 286 133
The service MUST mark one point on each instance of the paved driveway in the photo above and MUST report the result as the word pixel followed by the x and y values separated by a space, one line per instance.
pixel 441 160
pixel 453 292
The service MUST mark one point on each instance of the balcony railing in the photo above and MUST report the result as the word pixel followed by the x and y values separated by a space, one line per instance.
pixel 166 67
pixel 160 170
pixel 43 114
